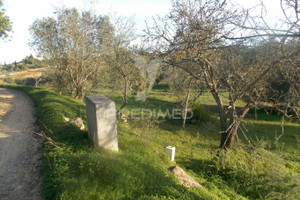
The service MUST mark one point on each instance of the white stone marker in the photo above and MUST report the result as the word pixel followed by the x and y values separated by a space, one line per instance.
pixel 101 120
pixel 170 151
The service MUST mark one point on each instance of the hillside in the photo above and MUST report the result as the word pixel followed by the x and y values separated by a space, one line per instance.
pixel 75 170
pixel 29 68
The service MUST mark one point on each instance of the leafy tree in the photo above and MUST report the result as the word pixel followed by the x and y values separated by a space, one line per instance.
pixel 5 24
pixel 73 42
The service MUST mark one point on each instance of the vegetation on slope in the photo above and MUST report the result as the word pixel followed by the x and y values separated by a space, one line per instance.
pixel 139 170
pixel 29 62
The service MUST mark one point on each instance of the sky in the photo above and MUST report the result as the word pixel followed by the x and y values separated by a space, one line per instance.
pixel 23 13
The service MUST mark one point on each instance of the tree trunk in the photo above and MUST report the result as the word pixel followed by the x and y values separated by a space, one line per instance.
pixel 37 81
pixel 228 138
pixel 223 133
pixel 185 108
pixel 125 95
pixel 223 117
pixel 78 92
pixel 71 91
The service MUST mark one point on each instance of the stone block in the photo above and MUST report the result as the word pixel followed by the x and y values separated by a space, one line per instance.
pixel 101 121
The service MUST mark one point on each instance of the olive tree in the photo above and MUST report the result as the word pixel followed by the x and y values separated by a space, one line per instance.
pixel 5 24
pixel 73 42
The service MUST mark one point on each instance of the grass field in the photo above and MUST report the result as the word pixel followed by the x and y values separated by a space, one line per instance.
pixel 139 170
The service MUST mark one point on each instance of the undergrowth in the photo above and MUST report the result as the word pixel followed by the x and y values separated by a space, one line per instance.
pixel 259 174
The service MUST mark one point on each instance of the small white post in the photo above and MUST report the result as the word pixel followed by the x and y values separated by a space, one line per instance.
pixel 170 151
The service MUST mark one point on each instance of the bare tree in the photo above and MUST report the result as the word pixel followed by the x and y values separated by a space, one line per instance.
pixel 185 87
pixel 119 55
pixel 284 93
pixel 199 31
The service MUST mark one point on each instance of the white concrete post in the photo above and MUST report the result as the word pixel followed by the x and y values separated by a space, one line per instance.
pixel 170 151
pixel 101 120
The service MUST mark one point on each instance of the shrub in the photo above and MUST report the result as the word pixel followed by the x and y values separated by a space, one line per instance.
pixel 200 114
pixel 25 81
pixel 9 80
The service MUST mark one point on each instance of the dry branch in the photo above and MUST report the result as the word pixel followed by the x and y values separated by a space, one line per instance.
pixel 49 140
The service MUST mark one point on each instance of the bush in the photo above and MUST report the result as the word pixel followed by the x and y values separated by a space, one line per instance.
pixel 25 81
pixel 19 68
pixel 9 80
pixel 200 114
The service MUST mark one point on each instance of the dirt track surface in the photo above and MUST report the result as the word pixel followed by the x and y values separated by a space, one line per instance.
pixel 20 150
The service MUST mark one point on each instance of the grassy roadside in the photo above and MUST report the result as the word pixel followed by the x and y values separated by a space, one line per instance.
pixel 78 171
pixel 138 171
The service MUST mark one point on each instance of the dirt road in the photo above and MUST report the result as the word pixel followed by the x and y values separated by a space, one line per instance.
pixel 20 151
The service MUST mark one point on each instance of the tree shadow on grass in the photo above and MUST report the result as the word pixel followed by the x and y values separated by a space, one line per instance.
pixel 134 173
pixel 139 180
pixel 208 131
pixel 150 103
pixel 71 136
pixel 206 167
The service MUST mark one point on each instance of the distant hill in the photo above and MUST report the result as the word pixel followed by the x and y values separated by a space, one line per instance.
pixel 29 62
pixel 28 70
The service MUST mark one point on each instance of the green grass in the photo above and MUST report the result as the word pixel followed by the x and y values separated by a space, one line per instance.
pixel 139 169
